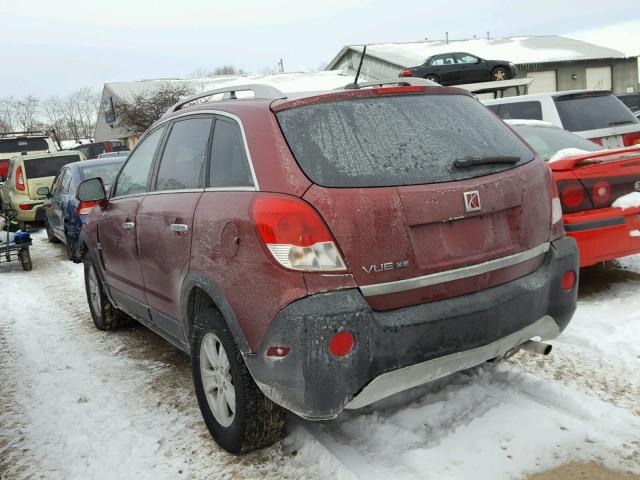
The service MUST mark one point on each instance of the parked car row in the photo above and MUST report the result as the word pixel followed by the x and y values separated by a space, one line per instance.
pixel 320 251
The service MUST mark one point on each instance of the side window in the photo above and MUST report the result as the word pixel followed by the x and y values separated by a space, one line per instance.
pixel 66 181
pixel 466 58
pixel 443 60
pixel 133 177
pixel 56 183
pixel 229 163
pixel 182 165
pixel 519 110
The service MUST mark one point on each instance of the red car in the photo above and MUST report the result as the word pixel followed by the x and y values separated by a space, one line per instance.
pixel 592 182
pixel 322 251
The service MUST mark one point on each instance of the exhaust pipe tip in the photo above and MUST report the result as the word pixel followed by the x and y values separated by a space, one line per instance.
pixel 540 348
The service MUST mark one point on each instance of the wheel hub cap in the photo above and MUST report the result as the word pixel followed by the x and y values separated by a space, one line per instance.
pixel 217 380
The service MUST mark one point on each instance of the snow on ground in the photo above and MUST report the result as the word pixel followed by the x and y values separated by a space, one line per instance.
pixel 79 403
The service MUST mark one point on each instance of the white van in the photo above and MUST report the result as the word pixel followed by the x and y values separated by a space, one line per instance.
pixel 594 114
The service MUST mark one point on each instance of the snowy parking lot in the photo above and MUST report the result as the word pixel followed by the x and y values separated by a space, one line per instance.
pixel 77 403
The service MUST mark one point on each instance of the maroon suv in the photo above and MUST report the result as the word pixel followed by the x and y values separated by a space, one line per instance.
pixel 322 251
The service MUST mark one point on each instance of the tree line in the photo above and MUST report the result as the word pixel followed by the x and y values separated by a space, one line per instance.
pixel 72 117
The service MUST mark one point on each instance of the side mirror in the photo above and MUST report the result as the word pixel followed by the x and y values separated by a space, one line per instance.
pixel 43 191
pixel 92 190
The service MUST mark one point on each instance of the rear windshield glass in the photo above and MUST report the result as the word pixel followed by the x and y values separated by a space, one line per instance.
pixel 48 166
pixel 548 141
pixel 106 171
pixel 17 145
pixel 518 110
pixel 398 140
pixel 591 112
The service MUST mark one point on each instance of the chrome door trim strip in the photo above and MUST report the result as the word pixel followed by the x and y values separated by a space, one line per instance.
pixel 456 274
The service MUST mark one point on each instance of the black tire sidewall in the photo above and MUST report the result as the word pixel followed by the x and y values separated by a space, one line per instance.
pixel 230 438
pixel 98 320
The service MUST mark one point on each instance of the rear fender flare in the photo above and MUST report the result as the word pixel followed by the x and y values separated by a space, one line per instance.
pixel 200 280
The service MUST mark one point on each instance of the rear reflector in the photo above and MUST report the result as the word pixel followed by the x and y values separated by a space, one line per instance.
pixel 341 344
pixel 393 90
pixel 406 73
pixel 278 351
pixel 568 280
pixel 26 207
pixel 295 234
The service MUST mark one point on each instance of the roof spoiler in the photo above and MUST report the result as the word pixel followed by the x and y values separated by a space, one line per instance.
pixel 599 156
pixel 230 93
pixel 405 82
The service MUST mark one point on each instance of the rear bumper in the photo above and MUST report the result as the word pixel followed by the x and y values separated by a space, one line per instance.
pixel 402 348
pixel 604 234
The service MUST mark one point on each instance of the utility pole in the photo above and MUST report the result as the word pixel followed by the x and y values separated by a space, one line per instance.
pixel 281 66
pixel 446 34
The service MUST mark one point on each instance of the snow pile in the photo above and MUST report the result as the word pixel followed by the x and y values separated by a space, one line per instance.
pixel 634 233
pixel 627 201
pixel 523 122
pixel 568 153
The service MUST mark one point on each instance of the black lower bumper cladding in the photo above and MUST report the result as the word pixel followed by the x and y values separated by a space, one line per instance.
pixel 316 385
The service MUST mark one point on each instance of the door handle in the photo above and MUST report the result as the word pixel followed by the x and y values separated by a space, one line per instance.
pixel 179 227
pixel 128 225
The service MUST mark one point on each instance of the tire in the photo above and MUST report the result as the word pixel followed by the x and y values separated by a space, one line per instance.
pixel 25 259
pixel 432 77
pixel 500 73
pixel 50 236
pixel 105 316
pixel 70 255
pixel 254 422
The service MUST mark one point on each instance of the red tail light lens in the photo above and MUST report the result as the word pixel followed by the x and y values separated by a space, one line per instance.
pixel 341 344
pixel 596 140
pixel 568 280
pixel 631 139
pixel 406 73
pixel 572 195
pixel 25 207
pixel 278 351
pixel 601 193
pixel 85 207
pixel 295 234
pixel 19 179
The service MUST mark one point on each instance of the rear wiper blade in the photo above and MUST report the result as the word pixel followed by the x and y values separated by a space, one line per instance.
pixel 484 160
pixel 623 122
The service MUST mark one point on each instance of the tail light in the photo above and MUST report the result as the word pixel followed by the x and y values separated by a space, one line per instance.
pixel 341 344
pixel 19 178
pixel 85 207
pixel 630 139
pixel 601 194
pixel 568 280
pixel 556 207
pixel 573 196
pixel 406 73
pixel 26 206
pixel 295 234
pixel 394 90
pixel 596 140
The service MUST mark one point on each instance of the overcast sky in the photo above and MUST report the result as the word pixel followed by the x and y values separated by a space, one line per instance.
pixel 53 47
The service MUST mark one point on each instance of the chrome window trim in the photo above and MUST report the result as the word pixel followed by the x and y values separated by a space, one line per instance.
pixel 177 190
pixel 256 186
pixel 231 189
pixel 131 195
pixel 455 274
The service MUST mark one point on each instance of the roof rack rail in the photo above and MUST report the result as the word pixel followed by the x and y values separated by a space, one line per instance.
pixel 404 82
pixel 229 93
pixel 29 132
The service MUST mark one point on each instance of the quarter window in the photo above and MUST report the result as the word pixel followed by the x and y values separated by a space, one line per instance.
pixel 229 163
pixel 182 164
pixel 135 174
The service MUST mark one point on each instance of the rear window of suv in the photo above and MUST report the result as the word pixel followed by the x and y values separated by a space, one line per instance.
pixel 591 111
pixel 23 144
pixel 48 166
pixel 397 140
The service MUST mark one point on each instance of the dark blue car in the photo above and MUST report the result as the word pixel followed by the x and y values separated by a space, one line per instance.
pixel 64 213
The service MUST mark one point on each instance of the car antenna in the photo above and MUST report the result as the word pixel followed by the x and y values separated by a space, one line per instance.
pixel 354 85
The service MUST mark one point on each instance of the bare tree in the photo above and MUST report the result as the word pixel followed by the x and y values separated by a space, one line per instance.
pixel 137 113
pixel 220 70
pixel 25 112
